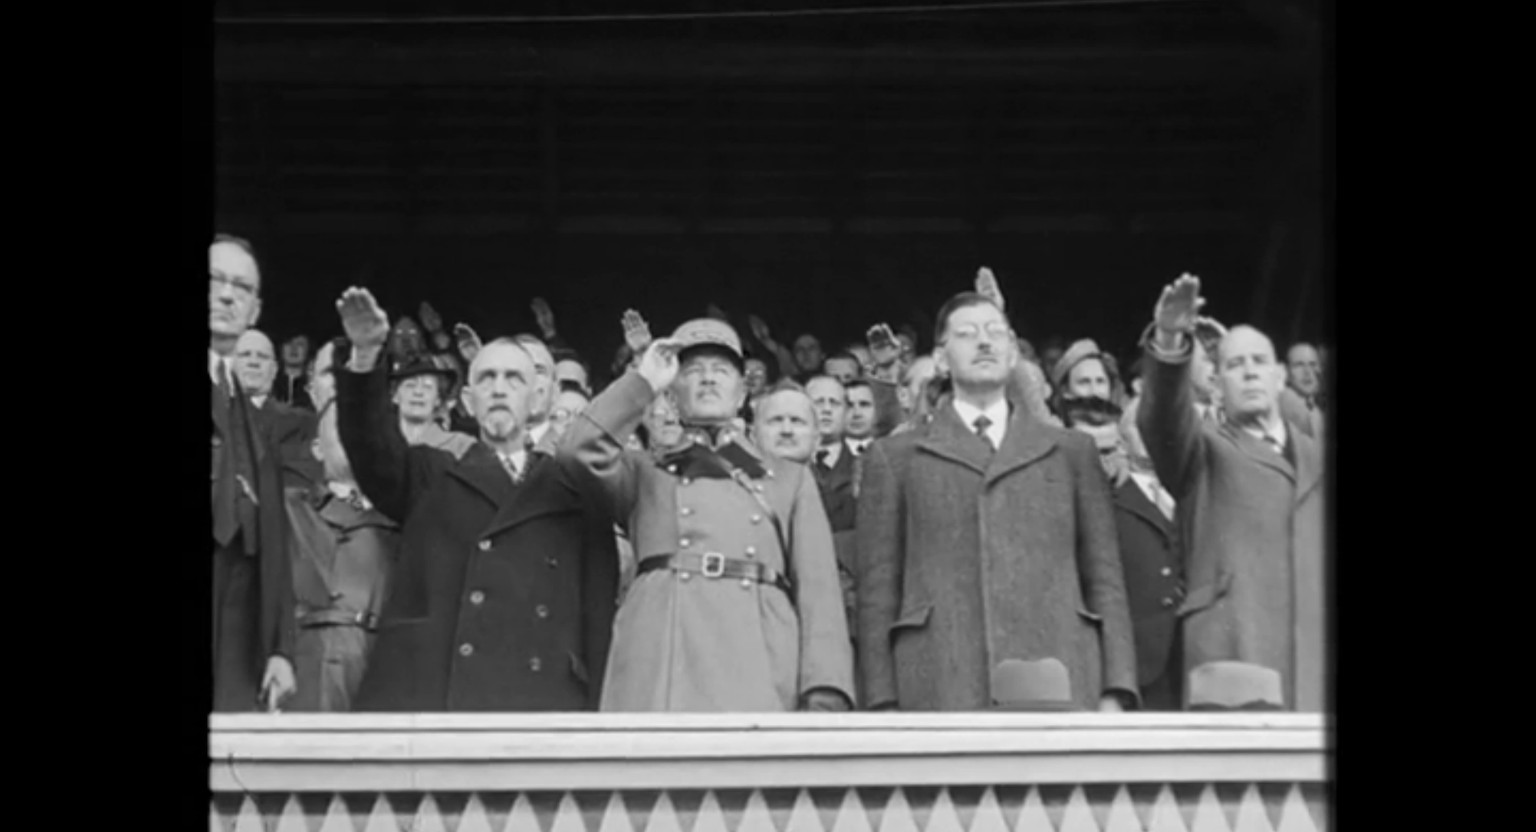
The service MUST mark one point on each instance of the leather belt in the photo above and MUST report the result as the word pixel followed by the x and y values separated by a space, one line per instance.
pixel 344 618
pixel 716 565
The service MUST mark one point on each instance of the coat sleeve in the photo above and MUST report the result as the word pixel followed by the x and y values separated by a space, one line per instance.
pixel 1166 416
pixel 389 472
pixel 274 570
pixel 887 406
pixel 880 557
pixel 595 439
pixel 1100 569
pixel 826 654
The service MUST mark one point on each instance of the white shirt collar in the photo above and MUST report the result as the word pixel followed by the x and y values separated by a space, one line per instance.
pixel 519 459
pixel 834 453
pixel 1259 433
pixel 859 445
pixel 215 363
pixel 536 434
pixel 997 413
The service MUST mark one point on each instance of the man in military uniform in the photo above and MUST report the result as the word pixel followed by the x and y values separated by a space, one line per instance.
pixel 736 606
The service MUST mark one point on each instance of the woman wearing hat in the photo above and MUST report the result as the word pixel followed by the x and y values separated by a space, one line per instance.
pixel 422 386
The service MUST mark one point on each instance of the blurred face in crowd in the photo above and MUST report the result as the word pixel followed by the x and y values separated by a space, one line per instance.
pixel 978 349
pixel 405 338
pixel 842 369
pixel 861 412
pixel 295 352
pixel 709 387
pixel 441 342
pixel 542 397
pixel 327 448
pixel 1305 375
pixel 830 403
pixel 662 423
pixel 808 353
pixel 255 365
pixel 756 376
pixel 500 387
pixel 908 347
pixel 786 426
pixel 569 370
pixel 1250 377
pixel 322 379
pixel 1088 380
pixel 568 405
pixel 862 354
pixel 234 290
pixel 1107 437
pixel 418 397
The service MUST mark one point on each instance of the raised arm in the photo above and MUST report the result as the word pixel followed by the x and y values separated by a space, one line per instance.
pixel 1166 413
pixel 787 366
pixel 386 468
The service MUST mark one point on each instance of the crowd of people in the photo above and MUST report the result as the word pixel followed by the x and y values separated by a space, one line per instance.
pixel 409 518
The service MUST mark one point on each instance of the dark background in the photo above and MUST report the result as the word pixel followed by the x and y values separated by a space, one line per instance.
pixel 826 172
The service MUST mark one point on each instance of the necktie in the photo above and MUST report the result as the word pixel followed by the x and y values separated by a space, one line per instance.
pixel 821 458
pixel 223 374
pixel 1274 443
pixel 981 424
pixel 511 465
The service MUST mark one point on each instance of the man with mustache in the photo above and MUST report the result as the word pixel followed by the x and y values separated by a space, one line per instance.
pixel 986 540
pixel 1250 497
pixel 736 604
pixel 252 586
pixel 504 593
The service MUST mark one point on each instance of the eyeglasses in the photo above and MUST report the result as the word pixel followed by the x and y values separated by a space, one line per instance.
pixel 243 288
pixel 996 331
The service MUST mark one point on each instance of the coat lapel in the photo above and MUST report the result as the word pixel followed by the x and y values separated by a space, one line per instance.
pixel 947 437
pixel 1260 452
pixel 1130 497
pixel 481 471
pixel 537 495
pixel 1024 443
pixel 1309 464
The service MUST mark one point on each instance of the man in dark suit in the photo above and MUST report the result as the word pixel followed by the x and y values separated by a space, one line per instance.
pixel 291 387
pixel 252 588
pixel 503 598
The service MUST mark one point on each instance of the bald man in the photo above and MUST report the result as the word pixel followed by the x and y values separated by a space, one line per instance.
pixel 256 364
pixel 1250 503
pixel 253 629
pixel 503 597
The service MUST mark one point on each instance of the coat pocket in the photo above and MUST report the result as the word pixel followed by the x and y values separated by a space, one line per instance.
pixel 912 620
pixel 1206 596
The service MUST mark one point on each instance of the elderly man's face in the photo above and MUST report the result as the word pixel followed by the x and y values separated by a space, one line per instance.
pixel 234 290
pixel 786 426
pixel 842 369
pixel 1088 380
pixel 830 403
pixel 499 390
pixel 808 353
pixel 254 362
pixel 709 388
pixel 1304 367
pixel 1250 377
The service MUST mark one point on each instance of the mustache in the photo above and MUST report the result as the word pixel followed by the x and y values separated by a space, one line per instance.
pixel 1092 410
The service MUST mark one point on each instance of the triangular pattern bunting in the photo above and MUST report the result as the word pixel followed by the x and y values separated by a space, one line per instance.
pixel 898 815
pixel 920 800
pixel 852 817
pixel 1167 816
pixel 756 817
pixel 475 818
pixel 639 805
pixel 544 806
pixel 966 800
pixel 828 803
pixel 1143 797
pixel 617 817
pixel 569 817
pixel 338 818
pixel 1230 796
pixel 1251 816
pixel 1032 815
pixel 685 802
pixel 249 819
pixel 944 818
pixel 1100 797
pixel 360 806
pixel 450 808
pixel 292 818
pixel 709 818
pixel 780 804
pixel 1296 817
pixel 592 804
pixel 405 805
pixel 429 817
pixel 987 815
pixel 1274 795
pixel 1055 796
pixel 1078 816
pixel 315 806
pixel 511 812
pixel 1209 816
pixel 382 819
pixel 663 816
pixel 215 823
pixel 1187 795
pixel 733 804
pixel 270 804
pixel 226 806
pixel 875 799
pixel 1010 799
pixel 804 817
pixel 1122 814
pixel 1316 797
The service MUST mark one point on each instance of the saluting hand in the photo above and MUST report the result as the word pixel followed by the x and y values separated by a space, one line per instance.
pixel 365 323
pixel 1179 305
pixel 637 333
pixel 659 364
pixel 986 286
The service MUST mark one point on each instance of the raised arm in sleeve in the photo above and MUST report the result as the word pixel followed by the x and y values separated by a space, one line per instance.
pixel 1100 569
pixel 880 552
pixel 595 439
pixel 1166 416
pixel 388 471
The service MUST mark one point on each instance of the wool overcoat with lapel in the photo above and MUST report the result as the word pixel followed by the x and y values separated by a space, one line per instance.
pixel 1256 536
pixel 839 496
pixel 713 644
pixel 503 598
pixel 1153 561
pixel 968 558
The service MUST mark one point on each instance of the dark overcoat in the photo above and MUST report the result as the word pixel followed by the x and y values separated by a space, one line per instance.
pixel 1256 536
pixel 1154 586
pixel 503 598
pixel 968 558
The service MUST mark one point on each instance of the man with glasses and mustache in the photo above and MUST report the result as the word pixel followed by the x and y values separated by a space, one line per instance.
pixel 253 629
pixel 986 541
pixel 736 605
pixel 503 596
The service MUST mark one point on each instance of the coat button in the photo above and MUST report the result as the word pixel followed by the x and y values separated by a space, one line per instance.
pixel 1167 571
pixel 751 551
pixel 541 611
pixel 686 481
pixel 534 664
pixel 757 518
pixel 1167 602
pixel 746 583
pixel 682 576
pixel 684 542
pixel 476 597
pixel 551 562
pixel 466 649
pixel 485 545
pixel 686 511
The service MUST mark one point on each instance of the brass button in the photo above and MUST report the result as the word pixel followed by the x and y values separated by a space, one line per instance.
pixel 541 611
pixel 466 649
pixel 534 664
pixel 485 545
pixel 476 597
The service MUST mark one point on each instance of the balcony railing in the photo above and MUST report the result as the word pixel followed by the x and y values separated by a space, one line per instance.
pixel 769 773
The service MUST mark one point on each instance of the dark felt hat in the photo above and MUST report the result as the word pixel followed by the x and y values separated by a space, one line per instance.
pixel 1235 686
pixel 1043 685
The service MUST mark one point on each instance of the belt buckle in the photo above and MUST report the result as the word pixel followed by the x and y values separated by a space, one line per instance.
pixel 714 565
